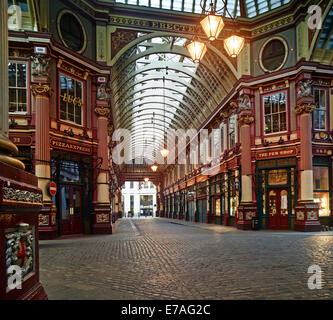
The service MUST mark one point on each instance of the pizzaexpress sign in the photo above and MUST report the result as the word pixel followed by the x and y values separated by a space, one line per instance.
pixel 69 145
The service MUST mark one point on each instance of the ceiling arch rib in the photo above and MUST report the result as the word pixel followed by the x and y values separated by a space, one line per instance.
pixel 129 120
pixel 156 76
pixel 183 107
pixel 194 106
pixel 183 112
pixel 157 73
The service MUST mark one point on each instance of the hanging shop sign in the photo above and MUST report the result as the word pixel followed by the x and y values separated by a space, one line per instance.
pixel 278 153
pixel 70 145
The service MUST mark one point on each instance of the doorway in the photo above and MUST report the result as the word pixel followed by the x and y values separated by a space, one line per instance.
pixel 278 204
pixel 71 209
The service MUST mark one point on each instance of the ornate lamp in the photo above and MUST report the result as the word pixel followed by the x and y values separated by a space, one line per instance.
pixel 197 50
pixel 146 179
pixel 234 45
pixel 212 25
pixel 154 167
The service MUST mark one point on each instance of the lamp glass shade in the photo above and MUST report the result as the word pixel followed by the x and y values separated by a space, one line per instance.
pixel 197 50
pixel 212 25
pixel 154 167
pixel 146 179
pixel 234 45
pixel 164 152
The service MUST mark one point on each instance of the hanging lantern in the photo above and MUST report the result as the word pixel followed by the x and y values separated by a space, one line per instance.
pixel 197 50
pixel 234 45
pixel 154 167
pixel 212 25
pixel 164 152
pixel 146 179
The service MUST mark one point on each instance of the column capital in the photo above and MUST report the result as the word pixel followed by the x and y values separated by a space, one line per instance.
pixel 102 111
pixel 305 108
pixel 40 89
pixel 245 117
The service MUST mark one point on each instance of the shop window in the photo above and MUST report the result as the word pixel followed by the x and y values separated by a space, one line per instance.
pixel 321 189
pixel 18 84
pixel 232 131
pixel 71 99
pixel 275 113
pixel 319 113
pixel 223 147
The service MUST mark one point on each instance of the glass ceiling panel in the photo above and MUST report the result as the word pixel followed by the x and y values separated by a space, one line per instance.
pixel 253 7
pixel 145 103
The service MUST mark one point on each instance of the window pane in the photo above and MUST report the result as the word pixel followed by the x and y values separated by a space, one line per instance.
pixel 268 124
pixel 12 74
pixel 320 177
pixel 21 75
pixel 78 115
pixel 322 198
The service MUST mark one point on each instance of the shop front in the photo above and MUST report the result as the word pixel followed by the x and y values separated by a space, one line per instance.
pixel 190 204
pixel 72 175
pixel 277 193
pixel 201 215
pixel 217 197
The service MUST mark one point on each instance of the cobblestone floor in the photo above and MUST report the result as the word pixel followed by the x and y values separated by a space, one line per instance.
pixel 164 259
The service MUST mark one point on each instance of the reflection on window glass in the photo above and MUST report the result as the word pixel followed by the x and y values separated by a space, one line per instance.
pixel 319 113
pixel 321 178
pixel 17 75
pixel 275 113
pixel 322 198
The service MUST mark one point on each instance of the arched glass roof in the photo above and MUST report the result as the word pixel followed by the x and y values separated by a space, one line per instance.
pixel 245 8
pixel 157 87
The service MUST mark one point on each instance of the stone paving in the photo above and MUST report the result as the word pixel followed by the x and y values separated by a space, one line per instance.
pixel 167 259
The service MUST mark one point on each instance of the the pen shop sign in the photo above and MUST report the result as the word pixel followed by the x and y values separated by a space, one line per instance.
pixel 69 145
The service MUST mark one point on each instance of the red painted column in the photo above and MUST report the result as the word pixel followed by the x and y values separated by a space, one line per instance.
pixel 47 217
pixel 247 209
pixel 102 207
pixel 307 211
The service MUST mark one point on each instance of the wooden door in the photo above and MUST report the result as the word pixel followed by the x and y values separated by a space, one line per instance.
pixel 71 209
pixel 278 209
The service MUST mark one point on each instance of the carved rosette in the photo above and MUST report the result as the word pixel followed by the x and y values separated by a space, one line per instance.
pixel 102 111
pixel 40 89
pixel 305 108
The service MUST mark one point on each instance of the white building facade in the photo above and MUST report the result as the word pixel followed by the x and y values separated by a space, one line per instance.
pixel 138 199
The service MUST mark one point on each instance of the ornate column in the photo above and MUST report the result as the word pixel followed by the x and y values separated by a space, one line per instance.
pixel 20 202
pixel 102 207
pixel 247 208
pixel 42 92
pixel 307 211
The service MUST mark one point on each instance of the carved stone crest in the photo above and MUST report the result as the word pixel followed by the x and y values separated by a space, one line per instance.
pixel 40 65
pixel 244 103
pixel 103 92
pixel 304 89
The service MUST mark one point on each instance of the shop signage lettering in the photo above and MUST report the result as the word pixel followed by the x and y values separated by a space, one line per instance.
pixel 21 140
pixel 70 146
pixel 276 153
pixel 71 99
pixel 322 151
